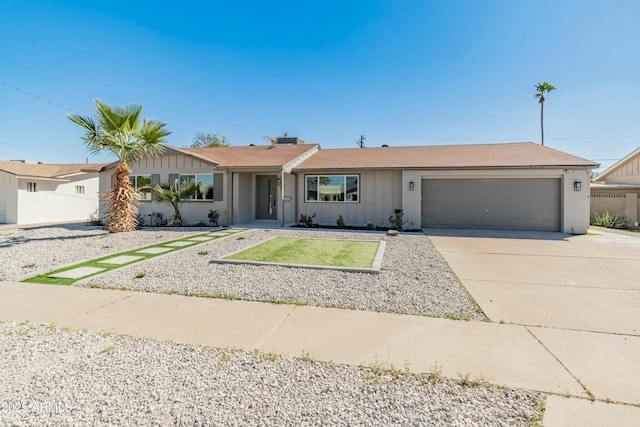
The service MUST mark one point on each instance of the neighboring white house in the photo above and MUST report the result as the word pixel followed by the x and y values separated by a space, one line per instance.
pixel 33 193
pixel 521 186
pixel 617 189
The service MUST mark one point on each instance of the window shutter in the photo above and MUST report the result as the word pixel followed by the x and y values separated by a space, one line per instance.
pixel 172 178
pixel 155 180
pixel 218 183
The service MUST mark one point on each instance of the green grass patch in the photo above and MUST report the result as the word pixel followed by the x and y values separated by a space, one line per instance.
pixel 331 253
pixel 96 263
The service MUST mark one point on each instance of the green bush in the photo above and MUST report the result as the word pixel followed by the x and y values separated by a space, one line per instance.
pixel 214 216
pixel 397 223
pixel 340 221
pixel 605 219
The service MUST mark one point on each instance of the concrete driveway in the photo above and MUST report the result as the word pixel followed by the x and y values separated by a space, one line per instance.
pixel 579 296
pixel 585 283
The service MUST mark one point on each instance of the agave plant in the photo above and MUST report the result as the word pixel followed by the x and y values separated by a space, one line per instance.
pixel 176 195
pixel 605 219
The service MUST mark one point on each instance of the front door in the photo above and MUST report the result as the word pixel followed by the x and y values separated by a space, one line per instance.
pixel 266 197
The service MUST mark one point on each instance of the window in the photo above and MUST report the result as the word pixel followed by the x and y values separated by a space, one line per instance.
pixel 31 187
pixel 142 184
pixel 205 192
pixel 79 189
pixel 332 188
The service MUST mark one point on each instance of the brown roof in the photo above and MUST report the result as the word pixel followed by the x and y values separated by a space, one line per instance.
pixel 519 154
pixel 46 170
pixel 250 156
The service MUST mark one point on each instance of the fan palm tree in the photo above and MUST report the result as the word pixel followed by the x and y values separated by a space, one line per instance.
pixel 176 195
pixel 543 88
pixel 121 131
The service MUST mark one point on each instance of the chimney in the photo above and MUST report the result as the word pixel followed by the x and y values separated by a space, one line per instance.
pixel 287 140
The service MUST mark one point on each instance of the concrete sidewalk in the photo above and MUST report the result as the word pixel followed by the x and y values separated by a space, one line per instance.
pixel 511 355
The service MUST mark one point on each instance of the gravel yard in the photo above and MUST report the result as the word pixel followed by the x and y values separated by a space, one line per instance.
pixel 42 249
pixel 51 377
pixel 414 278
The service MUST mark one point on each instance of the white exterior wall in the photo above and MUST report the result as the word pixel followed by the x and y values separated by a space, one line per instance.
pixel 412 200
pixel 380 196
pixel 56 201
pixel 574 205
pixel 193 211
pixel 8 198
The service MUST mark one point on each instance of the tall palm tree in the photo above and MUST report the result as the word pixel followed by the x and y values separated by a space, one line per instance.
pixel 176 195
pixel 121 131
pixel 543 88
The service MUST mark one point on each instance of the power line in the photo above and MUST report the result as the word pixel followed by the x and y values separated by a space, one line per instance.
pixel 37 96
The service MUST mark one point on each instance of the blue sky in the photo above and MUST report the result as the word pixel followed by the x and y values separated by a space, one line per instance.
pixel 400 72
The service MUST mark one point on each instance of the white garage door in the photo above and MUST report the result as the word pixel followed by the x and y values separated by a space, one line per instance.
pixel 518 204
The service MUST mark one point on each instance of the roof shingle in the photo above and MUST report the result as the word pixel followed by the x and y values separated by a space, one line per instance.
pixel 250 156
pixel 519 154
pixel 45 170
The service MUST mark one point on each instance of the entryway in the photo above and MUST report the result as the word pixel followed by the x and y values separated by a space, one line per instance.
pixel 266 195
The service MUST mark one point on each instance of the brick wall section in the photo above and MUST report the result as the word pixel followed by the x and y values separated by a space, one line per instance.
pixel 412 200
pixel 575 204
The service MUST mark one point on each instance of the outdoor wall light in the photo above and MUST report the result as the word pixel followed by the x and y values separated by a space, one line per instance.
pixel 411 186
pixel 577 186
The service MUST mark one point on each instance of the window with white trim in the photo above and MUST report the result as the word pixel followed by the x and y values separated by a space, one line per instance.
pixel 31 187
pixel 205 192
pixel 332 188
pixel 142 184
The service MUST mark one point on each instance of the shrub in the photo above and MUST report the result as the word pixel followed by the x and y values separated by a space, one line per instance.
pixel 306 220
pixel 396 221
pixel 214 216
pixel 605 219
pixel 371 226
pixel 158 219
pixel 139 221
pixel 340 221
pixel 94 219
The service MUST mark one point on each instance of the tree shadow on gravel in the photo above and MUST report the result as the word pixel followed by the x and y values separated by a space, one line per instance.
pixel 8 240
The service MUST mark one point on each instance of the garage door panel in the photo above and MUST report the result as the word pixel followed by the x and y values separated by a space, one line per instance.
pixel 530 204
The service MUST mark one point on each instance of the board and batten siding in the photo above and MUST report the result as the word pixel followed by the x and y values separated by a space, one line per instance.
pixel 243 198
pixel 162 169
pixel 380 196
pixel 627 173
pixel 289 202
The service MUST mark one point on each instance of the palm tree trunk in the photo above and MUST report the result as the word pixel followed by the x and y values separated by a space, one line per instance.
pixel 542 119
pixel 122 201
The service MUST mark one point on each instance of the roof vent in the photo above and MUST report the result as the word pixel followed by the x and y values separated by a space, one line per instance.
pixel 286 140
